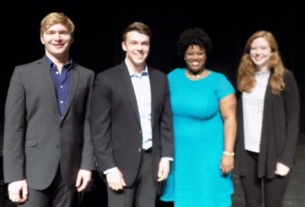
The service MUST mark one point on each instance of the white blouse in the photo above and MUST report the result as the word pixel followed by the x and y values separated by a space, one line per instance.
pixel 253 110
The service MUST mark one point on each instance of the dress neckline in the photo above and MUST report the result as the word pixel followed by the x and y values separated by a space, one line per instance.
pixel 184 71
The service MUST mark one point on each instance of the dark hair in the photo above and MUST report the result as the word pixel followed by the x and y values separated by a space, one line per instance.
pixel 138 27
pixel 194 36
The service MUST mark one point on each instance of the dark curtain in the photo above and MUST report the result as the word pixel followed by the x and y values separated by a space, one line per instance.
pixel 99 26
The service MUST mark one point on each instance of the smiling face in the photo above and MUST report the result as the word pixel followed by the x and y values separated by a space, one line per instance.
pixel 260 53
pixel 195 57
pixel 137 47
pixel 57 40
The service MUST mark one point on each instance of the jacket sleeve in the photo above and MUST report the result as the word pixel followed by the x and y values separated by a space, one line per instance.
pixel 166 127
pixel 100 119
pixel 14 130
pixel 88 162
pixel 292 111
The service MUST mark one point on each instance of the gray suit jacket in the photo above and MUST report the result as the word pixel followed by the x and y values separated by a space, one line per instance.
pixel 36 138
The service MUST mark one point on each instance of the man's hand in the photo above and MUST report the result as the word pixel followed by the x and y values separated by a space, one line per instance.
pixel 226 164
pixel 115 180
pixel 17 188
pixel 83 178
pixel 281 169
pixel 164 169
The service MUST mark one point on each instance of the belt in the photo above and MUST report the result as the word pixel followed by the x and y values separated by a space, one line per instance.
pixel 147 150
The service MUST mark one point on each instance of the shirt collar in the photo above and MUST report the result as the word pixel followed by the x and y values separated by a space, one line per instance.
pixel 50 63
pixel 264 73
pixel 131 73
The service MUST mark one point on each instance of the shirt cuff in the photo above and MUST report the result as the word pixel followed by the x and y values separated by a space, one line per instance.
pixel 167 158
pixel 109 170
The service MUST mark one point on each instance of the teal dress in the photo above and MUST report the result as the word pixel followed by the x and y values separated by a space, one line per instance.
pixel 195 179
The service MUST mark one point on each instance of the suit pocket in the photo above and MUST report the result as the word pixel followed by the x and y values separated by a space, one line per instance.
pixel 31 142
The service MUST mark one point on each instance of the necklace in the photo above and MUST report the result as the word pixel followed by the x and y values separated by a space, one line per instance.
pixel 188 74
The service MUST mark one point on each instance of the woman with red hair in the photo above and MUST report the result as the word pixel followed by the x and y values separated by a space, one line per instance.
pixel 268 119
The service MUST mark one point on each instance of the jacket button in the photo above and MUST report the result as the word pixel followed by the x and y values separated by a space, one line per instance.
pixel 140 150
pixel 57 147
pixel 140 132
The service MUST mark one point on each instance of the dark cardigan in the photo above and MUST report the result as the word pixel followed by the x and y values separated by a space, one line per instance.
pixel 279 130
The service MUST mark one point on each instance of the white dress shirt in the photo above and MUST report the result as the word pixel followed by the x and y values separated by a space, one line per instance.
pixel 253 110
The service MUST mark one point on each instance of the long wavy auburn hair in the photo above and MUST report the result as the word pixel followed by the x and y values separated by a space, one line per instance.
pixel 246 69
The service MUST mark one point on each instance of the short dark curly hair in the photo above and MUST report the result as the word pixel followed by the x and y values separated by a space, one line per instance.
pixel 194 36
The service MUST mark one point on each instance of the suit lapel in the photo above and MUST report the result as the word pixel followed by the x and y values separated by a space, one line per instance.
pixel 46 74
pixel 126 81
pixel 153 89
pixel 73 87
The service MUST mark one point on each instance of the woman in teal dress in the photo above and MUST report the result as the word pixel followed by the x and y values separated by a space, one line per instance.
pixel 203 104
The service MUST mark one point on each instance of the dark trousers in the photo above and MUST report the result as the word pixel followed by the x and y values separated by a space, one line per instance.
pixel 142 193
pixel 58 194
pixel 273 189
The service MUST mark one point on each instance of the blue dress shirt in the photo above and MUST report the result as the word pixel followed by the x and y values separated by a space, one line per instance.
pixel 61 83
pixel 141 86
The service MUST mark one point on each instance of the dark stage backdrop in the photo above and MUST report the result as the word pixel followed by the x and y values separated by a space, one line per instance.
pixel 99 25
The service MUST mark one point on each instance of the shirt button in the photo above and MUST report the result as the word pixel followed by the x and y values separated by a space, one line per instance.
pixel 139 150
pixel 61 86
pixel 56 72
pixel 61 102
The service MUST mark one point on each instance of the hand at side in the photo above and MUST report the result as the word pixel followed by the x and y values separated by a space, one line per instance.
pixel 16 189
pixel 281 169
pixel 226 164
pixel 115 180
pixel 164 168
pixel 83 178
